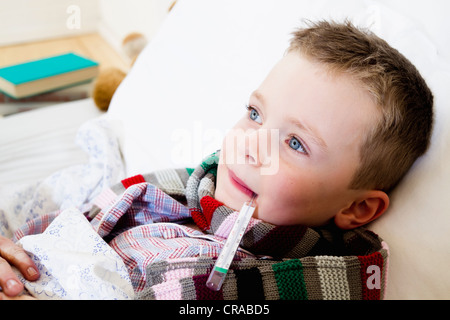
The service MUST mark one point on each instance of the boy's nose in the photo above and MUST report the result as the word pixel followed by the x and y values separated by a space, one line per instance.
pixel 257 148
pixel 251 149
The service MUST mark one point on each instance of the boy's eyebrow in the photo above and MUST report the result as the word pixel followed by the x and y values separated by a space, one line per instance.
pixel 312 133
pixel 258 95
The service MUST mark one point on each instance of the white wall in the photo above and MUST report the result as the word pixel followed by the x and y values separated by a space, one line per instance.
pixel 118 18
pixel 33 20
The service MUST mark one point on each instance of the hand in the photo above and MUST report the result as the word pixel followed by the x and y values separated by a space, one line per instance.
pixel 12 254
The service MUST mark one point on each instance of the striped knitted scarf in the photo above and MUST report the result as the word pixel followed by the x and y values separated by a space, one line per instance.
pixel 303 263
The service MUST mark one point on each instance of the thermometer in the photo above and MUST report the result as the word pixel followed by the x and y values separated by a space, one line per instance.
pixel 220 269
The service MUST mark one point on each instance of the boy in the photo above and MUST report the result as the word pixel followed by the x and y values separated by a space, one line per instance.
pixel 347 116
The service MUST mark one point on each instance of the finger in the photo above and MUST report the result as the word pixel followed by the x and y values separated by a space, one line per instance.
pixel 15 255
pixel 8 280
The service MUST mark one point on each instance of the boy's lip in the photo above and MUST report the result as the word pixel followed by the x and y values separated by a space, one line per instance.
pixel 239 184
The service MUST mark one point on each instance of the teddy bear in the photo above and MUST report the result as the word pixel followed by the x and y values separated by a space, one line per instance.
pixel 110 78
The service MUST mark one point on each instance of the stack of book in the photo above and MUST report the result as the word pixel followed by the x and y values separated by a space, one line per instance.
pixel 59 78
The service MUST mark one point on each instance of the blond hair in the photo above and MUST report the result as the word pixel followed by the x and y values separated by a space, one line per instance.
pixel 403 132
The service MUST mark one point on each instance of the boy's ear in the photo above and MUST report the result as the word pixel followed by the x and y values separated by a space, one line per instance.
pixel 366 208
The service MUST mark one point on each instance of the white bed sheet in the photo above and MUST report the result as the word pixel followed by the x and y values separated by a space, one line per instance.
pixel 99 165
pixel 34 144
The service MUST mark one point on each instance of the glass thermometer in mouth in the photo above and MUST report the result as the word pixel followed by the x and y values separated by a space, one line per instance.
pixel 220 270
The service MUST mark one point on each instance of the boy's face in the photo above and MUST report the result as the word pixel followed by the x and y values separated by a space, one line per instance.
pixel 319 121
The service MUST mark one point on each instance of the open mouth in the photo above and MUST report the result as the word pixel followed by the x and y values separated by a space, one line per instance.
pixel 239 184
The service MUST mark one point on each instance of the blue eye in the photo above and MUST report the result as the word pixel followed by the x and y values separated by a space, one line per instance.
pixel 254 115
pixel 296 145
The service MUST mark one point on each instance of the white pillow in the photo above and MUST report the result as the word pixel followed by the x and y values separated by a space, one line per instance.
pixel 190 85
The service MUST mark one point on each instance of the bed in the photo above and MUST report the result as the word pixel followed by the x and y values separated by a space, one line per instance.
pixel 202 65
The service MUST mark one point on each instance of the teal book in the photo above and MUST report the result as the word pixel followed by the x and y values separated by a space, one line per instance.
pixel 48 74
